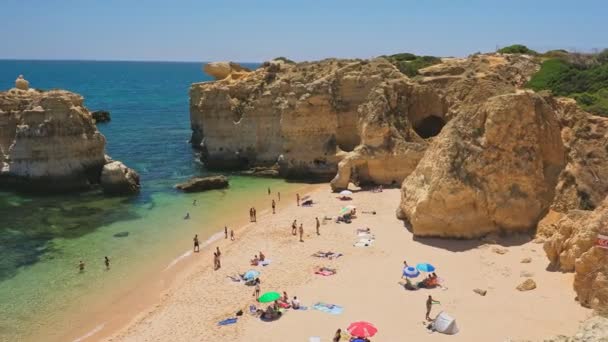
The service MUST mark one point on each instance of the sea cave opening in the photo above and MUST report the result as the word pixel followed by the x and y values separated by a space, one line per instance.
pixel 429 126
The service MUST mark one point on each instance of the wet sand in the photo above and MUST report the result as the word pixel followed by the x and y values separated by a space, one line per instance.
pixel 366 284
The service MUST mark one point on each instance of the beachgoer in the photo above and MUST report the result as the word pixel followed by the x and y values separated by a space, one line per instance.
pixel 106 261
pixel 337 335
pixel 276 306
pixel 404 262
pixel 81 266
pixel 295 303
pixel 218 251
pixel 429 305
pixel 262 256
pixel 187 216
pixel 225 232
pixel 285 298
pixel 255 215
pixel 255 261
pixel 194 202
pixel 279 196
pixel 318 225
pixel 268 191
pixel 298 199
pixel 231 234
pixel 256 292
pixel 196 248
pixel 273 206
pixel 301 232
pixel 215 261
pixel 251 214
pixel 294 227
pixel 219 264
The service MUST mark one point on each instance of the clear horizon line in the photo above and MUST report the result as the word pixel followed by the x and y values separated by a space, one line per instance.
pixel 114 60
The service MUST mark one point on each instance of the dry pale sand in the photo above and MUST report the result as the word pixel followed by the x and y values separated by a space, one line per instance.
pixel 366 284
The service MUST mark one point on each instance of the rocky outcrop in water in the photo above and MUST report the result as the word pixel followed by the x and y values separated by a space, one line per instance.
pixel 101 116
pixel 48 142
pixel 117 179
pixel 198 184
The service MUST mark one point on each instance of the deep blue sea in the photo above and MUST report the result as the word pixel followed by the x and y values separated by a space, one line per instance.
pixel 42 238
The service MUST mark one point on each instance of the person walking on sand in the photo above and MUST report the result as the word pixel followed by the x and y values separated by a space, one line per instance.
pixel 298 199
pixel 255 215
pixel 251 214
pixel 268 191
pixel 81 266
pixel 294 227
pixel 337 336
pixel 217 249
pixel 429 304
pixel 106 261
pixel 301 232
pixel 318 225
pixel 273 206
pixel 196 248
pixel 225 232
pixel 279 196
pixel 231 235
pixel 256 291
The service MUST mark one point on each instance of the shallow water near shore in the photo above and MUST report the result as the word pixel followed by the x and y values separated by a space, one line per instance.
pixel 42 238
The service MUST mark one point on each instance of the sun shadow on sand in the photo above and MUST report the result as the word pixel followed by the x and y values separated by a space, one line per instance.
pixel 463 245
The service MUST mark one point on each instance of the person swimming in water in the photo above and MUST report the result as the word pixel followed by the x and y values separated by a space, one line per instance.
pixel 81 266
pixel 187 217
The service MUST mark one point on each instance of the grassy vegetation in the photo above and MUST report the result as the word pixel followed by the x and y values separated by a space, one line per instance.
pixel 517 48
pixel 409 64
pixel 582 77
pixel 284 59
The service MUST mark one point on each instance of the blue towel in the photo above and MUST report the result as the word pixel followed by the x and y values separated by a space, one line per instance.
pixel 227 321
pixel 329 308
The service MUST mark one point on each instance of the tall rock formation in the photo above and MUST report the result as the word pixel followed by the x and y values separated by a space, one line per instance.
pixel 48 141
pixel 490 170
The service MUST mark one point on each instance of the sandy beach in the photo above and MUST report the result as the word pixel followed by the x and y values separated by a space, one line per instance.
pixel 366 284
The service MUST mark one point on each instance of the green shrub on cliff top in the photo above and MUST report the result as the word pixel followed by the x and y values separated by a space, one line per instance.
pixel 582 77
pixel 409 64
pixel 517 48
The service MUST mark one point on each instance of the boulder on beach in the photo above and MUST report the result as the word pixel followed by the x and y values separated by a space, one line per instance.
pixel 527 285
pixel 118 179
pixel 101 116
pixel 197 184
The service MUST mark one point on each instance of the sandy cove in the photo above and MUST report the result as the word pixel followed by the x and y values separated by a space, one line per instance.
pixel 366 285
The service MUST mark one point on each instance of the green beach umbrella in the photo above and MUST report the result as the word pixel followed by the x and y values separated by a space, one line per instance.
pixel 269 297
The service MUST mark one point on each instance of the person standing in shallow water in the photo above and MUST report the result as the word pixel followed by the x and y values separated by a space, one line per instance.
pixel 106 261
pixel 318 225
pixel 273 206
pixel 81 266
pixel 196 247
pixel 301 232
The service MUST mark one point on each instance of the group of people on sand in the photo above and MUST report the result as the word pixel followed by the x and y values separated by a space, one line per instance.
pixel 106 262
pixel 257 260
pixel 430 282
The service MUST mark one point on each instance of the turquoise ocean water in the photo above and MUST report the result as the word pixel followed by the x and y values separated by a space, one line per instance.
pixel 42 238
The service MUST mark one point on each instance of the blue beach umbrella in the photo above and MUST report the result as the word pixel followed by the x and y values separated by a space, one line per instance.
pixel 411 272
pixel 424 267
pixel 251 274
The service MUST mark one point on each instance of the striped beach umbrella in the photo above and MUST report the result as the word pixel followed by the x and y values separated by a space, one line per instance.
pixel 411 272
pixel 362 329
pixel 424 267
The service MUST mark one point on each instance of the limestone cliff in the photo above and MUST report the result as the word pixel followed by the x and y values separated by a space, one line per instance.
pixel 48 141
pixel 571 246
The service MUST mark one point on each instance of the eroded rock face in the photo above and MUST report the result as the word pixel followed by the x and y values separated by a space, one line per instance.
pixel 101 116
pixel 117 179
pixel 221 70
pixel 572 247
pixel 491 170
pixel 48 142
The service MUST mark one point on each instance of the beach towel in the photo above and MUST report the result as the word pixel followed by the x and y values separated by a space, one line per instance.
pixel 328 308
pixel 325 273
pixel 227 321
pixel 364 243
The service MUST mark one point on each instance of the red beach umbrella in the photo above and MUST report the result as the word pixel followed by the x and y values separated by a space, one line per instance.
pixel 362 329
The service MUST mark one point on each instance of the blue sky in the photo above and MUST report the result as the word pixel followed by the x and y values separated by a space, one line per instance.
pixel 201 30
